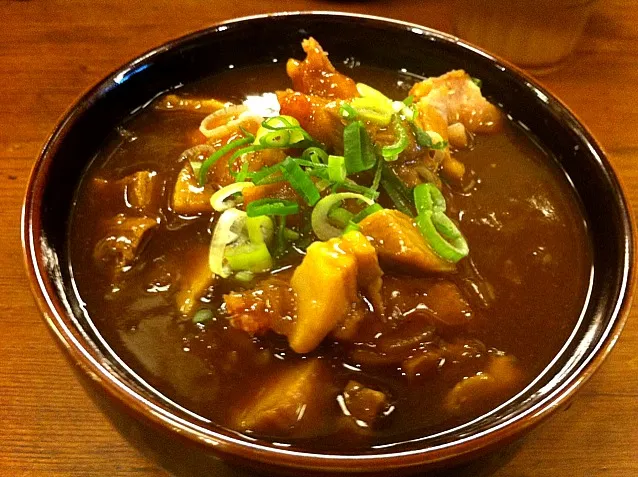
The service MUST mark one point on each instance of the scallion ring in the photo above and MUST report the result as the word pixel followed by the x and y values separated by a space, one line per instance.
pixel 428 197
pixel 267 206
pixel 442 235
pixel 336 168
pixel 300 181
pixel 221 200
pixel 320 220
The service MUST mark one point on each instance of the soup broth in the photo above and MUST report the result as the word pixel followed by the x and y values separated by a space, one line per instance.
pixel 521 290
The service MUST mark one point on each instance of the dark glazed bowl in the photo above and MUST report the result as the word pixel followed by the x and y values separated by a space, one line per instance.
pixel 372 41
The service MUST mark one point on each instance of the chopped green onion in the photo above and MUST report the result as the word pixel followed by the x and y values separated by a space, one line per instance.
pixel 242 175
pixel 478 82
pixel 428 197
pixel 340 216
pixel 259 177
pixel 426 139
pixel 347 112
pixel 227 230
pixel 280 122
pixel 249 256
pixel 240 152
pixel 316 155
pixel 276 139
pixel 202 315
pixel 305 163
pixel 409 100
pixel 319 218
pixel 352 186
pixel 391 152
pixel 373 105
pixel 373 110
pixel 221 200
pixel 269 206
pixel 377 177
pixel 442 235
pixel 213 158
pixel 351 227
pixel 300 181
pixel 260 229
pixel 357 148
pixel 398 192
pixel 336 168
pixel 369 210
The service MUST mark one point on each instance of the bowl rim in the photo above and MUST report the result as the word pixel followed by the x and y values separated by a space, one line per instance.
pixel 92 363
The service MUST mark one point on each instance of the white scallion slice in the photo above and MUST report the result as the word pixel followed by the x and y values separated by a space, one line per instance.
pixel 222 199
pixel 227 230
pixel 321 225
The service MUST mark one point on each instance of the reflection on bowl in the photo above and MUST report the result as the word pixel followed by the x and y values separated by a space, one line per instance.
pixel 396 47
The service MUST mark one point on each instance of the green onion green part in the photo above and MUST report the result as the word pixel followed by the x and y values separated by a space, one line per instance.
pixel 369 210
pixel 213 158
pixel 442 235
pixel 357 148
pixel 336 168
pixel 340 216
pixel 316 155
pixel 251 257
pixel 391 152
pixel 300 181
pixel 267 206
pixel 427 197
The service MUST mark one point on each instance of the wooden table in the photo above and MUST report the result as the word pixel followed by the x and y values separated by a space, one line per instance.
pixel 52 50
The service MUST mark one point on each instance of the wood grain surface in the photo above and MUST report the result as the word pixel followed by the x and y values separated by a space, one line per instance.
pixel 53 50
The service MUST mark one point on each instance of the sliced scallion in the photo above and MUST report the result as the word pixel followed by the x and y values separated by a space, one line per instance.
pixel 260 229
pixel 213 158
pixel 428 197
pixel 347 112
pixel 369 210
pixel 250 256
pixel 321 225
pixel 316 155
pixel 340 216
pixel 442 235
pixel 398 192
pixel 427 138
pixel 300 181
pixel 357 148
pixel 222 199
pixel 336 168
pixel 268 206
pixel 391 152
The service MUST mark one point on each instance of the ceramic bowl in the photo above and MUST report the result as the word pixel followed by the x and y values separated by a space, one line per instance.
pixel 372 41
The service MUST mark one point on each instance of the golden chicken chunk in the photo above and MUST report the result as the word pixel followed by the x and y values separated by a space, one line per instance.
pixel 399 243
pixel 316 75
pixel 319 116
pixel 457 99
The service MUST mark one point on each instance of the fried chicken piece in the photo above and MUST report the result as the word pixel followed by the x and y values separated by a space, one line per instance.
pixel 317 76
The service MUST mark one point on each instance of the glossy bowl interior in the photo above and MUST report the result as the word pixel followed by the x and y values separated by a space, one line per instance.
pixel 375 42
